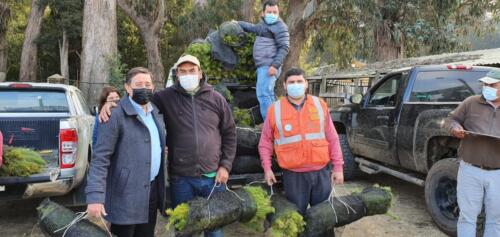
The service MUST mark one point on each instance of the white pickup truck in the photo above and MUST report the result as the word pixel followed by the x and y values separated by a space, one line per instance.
pixel 55 120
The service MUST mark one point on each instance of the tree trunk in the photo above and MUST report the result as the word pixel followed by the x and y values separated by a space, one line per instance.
pixel 149 24
pixel 152 44
pixel 298 27
pixel 63 55
pixel 385 47
pixel 4 21
pixel 247 10
pixel 99 46
pixel 30 47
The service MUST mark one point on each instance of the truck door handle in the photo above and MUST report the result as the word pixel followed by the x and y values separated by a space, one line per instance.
pixel 382 117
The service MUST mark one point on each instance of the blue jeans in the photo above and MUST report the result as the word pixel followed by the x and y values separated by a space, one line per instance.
pixel 475 186
pixel 265 89
pixel 184 189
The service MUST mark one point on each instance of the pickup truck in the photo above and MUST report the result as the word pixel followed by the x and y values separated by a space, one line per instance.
pixel 54 120
pixel 396 128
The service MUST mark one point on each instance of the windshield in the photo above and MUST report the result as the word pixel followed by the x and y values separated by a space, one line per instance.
pixel 446 86
pixel 21 101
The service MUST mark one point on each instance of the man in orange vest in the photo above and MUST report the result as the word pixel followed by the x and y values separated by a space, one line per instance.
pixel 299 129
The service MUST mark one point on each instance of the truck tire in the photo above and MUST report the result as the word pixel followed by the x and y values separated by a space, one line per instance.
pixel 351 168
pixel 441 195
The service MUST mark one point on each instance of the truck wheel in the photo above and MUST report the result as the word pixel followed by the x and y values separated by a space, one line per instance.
pixel 441 195
pixel 351 168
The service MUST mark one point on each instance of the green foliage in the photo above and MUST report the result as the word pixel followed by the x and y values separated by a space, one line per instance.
pixel 19 11
pixel 264 208
pixel 60 16
pixel 178 217
pixel 130 43
pixel 377 202
pixel 21 162
pixel 245 71
pixel 117 73
pixel 344 30
pixel 290 224
pixel 243 117
pixel 224 92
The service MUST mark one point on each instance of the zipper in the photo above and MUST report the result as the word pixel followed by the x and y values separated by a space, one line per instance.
pixel 493 119
pixel 195 131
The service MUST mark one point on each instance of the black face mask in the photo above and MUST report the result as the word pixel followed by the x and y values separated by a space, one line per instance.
pixel 142 96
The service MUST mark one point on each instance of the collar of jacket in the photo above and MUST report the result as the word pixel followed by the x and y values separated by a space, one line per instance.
pixel 129 108
pixel 204 87
pixel 482 100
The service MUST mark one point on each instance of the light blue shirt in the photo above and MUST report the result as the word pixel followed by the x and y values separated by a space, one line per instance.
pixel 148 120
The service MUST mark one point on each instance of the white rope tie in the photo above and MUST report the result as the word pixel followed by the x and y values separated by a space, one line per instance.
pixel 80 216
pixel 216 185
pixel 333 208
pixel 263 182
pixel 333 195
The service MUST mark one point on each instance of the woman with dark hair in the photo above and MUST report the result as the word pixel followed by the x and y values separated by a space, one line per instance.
pixel 108 94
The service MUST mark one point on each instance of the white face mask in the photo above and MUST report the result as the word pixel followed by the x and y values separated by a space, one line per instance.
pixel 189 82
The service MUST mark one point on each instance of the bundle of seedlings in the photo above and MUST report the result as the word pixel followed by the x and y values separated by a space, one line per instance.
pixel 58 221
pixel 286 220
pixel 248 205
pixel 22 162
pixel 245 71
pixel 340 211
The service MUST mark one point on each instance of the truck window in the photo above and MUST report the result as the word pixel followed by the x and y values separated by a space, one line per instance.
pixel 21 101
pixel 82 102
pixel 385 94
pixel 446 86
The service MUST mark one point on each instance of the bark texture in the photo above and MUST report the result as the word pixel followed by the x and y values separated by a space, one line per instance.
pixel 30 48
pixel 99 46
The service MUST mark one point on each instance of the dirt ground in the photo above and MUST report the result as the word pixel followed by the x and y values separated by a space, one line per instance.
pixel 407 217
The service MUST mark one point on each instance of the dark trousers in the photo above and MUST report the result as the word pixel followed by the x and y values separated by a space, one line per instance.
pixel 146 229
pixel 307 188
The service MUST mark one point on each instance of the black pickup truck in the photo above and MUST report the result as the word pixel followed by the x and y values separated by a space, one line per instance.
pixel 396 128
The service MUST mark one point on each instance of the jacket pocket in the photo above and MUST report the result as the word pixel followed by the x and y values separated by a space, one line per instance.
pixel 289 156
pixel 320 154
pixel 122 181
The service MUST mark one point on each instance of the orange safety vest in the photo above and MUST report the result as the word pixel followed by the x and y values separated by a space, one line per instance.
pixel 299 136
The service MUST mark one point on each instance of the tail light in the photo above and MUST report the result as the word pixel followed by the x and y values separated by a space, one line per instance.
pixel 459 67
pixel 20 85
pixel 68 144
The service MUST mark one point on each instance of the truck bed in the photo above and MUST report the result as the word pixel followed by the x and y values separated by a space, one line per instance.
pixel 40 134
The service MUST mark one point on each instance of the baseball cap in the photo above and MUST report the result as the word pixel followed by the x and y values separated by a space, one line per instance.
pixel 491 77
pixel 188 59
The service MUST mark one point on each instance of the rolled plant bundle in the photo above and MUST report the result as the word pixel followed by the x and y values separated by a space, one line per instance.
pixel 340 211
pixel 22 162
pixel 247 141
pixel 286 220
pixel 249 205
pixel 56 221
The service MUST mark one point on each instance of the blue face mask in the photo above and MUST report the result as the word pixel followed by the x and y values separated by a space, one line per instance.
pixel 270 18
pixel 490 93
pixel 297 90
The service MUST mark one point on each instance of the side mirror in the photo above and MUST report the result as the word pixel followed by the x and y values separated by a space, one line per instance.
pixel 356 98
pixel 93 110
